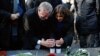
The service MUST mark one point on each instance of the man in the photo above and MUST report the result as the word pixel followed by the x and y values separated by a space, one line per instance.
pixel 86 22
pixel 10 24
pixel 39 32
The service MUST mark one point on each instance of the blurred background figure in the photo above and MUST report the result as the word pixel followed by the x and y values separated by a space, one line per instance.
pixel 69 3
pixel 11 30
pixel 29 4
pixel 86 23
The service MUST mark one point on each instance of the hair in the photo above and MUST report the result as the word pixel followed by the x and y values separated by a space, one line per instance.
pixel 63 10
pixel 47 6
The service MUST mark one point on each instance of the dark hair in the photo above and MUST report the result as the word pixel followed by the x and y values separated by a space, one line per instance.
pixel 63 10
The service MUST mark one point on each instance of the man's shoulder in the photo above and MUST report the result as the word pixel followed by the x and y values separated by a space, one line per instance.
pixel 31 12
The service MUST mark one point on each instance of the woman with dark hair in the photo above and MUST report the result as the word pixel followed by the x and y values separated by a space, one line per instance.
pixel 63 25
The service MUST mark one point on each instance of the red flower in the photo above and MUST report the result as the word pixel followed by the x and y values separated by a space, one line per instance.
pixel 3 53
pixel 51 54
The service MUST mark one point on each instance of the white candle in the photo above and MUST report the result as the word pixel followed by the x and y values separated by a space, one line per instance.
pixel 58 50
pixel 52 50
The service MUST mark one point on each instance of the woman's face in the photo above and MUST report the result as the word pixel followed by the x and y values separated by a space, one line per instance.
pixel 59 17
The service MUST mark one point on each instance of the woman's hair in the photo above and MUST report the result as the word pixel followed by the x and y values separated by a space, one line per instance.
pixel 63 10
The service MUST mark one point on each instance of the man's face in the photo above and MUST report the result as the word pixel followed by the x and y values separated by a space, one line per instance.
pixel 43 14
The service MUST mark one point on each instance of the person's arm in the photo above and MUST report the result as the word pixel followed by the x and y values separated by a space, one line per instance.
pixel 68 38
pixel 98 7
pixel 5 14
pixel 72 5
pixel 70 32
pixel 34 40
pixel 30 41
pixel 30 33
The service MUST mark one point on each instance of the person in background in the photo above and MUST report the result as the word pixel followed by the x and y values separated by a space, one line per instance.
pixel 29 4
pixel 86 22
pixel 40 27
pixel 11 28
pixel 64 26
pixel 69 3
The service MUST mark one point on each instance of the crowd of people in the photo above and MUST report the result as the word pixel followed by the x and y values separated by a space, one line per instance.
pixel 43 24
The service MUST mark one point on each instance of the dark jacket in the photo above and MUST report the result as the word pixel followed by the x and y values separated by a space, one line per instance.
pixel 6 9
pixel 64 29
pixel 38 28
pixel 86 19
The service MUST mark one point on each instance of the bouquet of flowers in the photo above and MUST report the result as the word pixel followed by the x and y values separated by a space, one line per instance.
pixel 81 52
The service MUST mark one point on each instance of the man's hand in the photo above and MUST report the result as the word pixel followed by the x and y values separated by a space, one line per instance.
pixel 48 43
pixel 14 16
pixel 59 42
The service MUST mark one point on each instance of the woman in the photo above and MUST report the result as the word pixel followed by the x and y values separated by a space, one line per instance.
pixel 63 25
